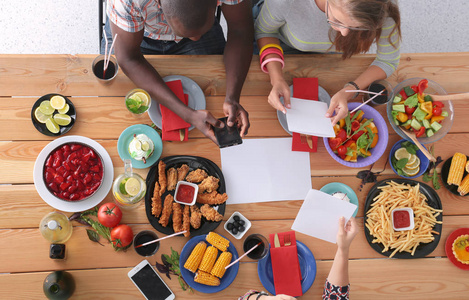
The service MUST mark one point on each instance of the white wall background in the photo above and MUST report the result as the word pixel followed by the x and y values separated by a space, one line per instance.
pixel 58 26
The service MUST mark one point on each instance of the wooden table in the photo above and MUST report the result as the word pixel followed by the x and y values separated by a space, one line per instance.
pixel 101 273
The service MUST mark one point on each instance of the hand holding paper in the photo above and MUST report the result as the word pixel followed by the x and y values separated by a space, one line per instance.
pixel 308 117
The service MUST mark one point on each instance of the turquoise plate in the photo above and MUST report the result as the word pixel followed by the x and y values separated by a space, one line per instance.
pixel 333 187
pixel 126 137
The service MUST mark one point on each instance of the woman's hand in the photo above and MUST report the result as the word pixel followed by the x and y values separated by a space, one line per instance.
pixel 346 233
pixel 339 105
pixel 280 88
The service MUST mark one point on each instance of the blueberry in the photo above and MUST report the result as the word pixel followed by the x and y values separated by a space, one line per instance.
pixel 236 218
pixel 241 228
pixel 234 231
pixel 229 226
pixel 241 222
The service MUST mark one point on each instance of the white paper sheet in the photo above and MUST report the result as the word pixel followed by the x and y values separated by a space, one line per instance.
pixel 308 117
pixel 319 215
pixel 261 170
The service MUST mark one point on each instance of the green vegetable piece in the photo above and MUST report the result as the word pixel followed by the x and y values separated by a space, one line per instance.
pixel 399 107
pixel 408 91
pixel 436 126
pixel 412 101
pixel 425 123
pixel 397 99
pixel 407 123
pixel 427 98
pixel 419 114
pixel 348 124
pixel 93 236
pixel 400 164
pixel 430 132
pixel 415 124
pixel 444 113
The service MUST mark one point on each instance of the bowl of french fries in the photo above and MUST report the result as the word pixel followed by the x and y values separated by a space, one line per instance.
pixel 390 194
pixel 203 260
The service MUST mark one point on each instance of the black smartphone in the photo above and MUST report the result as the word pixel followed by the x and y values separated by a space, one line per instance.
pixel 227 136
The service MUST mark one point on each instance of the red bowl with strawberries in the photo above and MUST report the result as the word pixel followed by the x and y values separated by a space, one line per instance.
pixel 73 173
pixel 361 140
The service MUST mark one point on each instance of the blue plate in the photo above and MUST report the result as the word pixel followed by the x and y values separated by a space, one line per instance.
pixel 188 276
pixel 307 266
pixel 126 137
pixel 333 187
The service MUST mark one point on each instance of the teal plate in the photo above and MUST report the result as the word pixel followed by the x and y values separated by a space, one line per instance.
pixel 126 137
pixel 333 187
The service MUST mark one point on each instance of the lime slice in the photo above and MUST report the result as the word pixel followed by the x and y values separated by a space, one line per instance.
pixel 409 172
pixel 52 126
pixel 57 102
pixel 141 97
pixel 412 159
pixel 145 146
pixel 40 117
pixel 122 186
pixel 46 108
pixel 65 109
pixel 402 153
pixel 414 165
pixel 62 119
pixel 132 186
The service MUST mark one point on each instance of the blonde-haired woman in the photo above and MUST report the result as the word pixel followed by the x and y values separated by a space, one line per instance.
pixel 345 26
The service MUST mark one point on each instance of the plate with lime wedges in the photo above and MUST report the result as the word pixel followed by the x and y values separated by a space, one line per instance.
pixel 53 115
pixel 190 87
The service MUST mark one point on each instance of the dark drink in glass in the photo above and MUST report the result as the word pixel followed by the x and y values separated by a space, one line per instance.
pixel 143 237
pixel 261 250
pixel 376 87
pixel 99 72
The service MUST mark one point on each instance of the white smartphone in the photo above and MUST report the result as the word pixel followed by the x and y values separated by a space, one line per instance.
pixel 149 282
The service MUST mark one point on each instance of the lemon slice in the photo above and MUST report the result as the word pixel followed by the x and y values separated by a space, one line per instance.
pixel 62 119
pixel 141 97
pixel 57 102
pixel 65 109
pixel 145 146
pixel 132 186
pixel 52 126
pixel 138 145
pixel 409 172
pixel 414 165
pixel 412 159
pixel 40 117
pixel 46 108
pixel 402 153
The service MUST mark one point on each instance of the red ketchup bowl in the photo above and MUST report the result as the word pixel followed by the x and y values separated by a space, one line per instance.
pixel 402 219
pixel 73 172
pixel 186 193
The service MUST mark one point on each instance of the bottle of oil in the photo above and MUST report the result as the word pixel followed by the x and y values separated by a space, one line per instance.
pixel 59 285
pixel 56 228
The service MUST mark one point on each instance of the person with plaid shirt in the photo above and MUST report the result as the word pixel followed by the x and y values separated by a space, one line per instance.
pixel 184 27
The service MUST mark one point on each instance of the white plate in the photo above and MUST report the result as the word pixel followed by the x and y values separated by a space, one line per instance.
pixel 73 206
pixel 195 93
pixel 282 118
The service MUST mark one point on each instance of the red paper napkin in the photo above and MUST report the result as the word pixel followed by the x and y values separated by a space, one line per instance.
pixel 173 135
pixel 305 88
pixel 285 265
pixel 169 119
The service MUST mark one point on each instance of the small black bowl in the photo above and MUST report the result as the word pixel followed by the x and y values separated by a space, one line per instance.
pixel 41 127
pixel 444 177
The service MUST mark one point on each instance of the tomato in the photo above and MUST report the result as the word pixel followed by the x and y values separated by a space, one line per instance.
pixel 349 143
pixel 342 150
pixel 122 236
pixel 355 125
pixel 342 134
pixel 357 135
pixel 403 95
pixel 437 111
pixel 415 88
pixel 410 110
pixel 422 86
pixel 438 104
pixel 420 132
pixel 334 143
pixel 109 214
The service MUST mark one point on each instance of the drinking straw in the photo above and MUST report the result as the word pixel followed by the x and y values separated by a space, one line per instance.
pixel 106 63
pixel 157 240
pixel 368 101
pixel 361 91
pixel 247 252
pixel 105 51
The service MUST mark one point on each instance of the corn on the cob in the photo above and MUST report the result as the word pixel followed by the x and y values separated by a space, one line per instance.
pixel 217 241
pixel 463 188
pixel 456 171
pixel 223 260
pixel 193 262
pixel 210 256
pixel 206 278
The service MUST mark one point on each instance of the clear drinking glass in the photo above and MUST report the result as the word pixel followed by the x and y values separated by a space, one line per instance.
pixel 107 76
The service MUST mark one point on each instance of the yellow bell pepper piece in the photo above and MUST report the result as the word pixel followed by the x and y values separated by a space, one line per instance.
pixel 336 129
pixel 364 152
pixel 437 119
pixel 402 117
pixel 420 98
pixel 342 123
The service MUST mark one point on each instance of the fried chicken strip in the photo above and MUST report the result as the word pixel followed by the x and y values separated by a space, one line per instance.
pixel 156 201
pixel 177 217
pixel 186 221
pixel 210 213
pixel 182 172
pixel 208 185
pixel 167 209
pixel 162 176
pixel 196 176
pixel 195 217
pixel 213 198
pixel 171 178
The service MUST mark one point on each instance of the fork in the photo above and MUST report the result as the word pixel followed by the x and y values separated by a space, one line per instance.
pixel 286 240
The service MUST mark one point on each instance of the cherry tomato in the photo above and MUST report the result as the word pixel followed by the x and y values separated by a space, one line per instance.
pixel 342 150
pixel 420 132
pixel 334 143
pixel 342 134
pixel 109 215
pixel 409 110
pixel 357 135
pixel 122 236
pixel 438 104
pixel 422 86
pixel 355 125
pixel 437 111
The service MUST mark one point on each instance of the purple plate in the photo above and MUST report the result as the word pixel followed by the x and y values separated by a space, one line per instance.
pixel 378 150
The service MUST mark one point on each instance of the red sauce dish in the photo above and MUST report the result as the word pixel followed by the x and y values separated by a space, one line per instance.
pixel 186 193
pixel 402 219
pixel 73 172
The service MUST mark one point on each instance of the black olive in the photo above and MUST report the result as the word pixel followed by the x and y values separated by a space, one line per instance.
pixel 236 218
pixel 241 228
pixel 241 222
pixel 234 231
pixel 229 226
pixel 236 224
